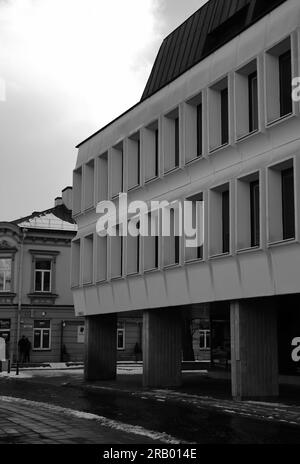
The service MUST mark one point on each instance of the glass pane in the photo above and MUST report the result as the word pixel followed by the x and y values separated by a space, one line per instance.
pixel 4 324
pixel 36 339
pixel 38 281
pixel 5 264
pixel 8 281
pixel 44 324
pixel 46 282
pixel 201 339
pixel 1 281
pixel 46 339
pixel 45 265
pixel 120 338
pixel 208 339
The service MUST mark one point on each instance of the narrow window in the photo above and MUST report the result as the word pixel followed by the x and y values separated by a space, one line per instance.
pixel 176 123
pixel 288 204
pixel 254 213
pixel 224 116
pixel 156 152
pixel 121 335
pixel 117 254
pixel 253 102
pixel 225 222
pixel 285 83
pixel 199 130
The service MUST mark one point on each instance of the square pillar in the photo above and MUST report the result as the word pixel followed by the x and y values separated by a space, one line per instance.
pixel 100 347
pixel 162 348
pixel 254 353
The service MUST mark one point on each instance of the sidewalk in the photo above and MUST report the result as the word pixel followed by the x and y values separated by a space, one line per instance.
pixel 29 422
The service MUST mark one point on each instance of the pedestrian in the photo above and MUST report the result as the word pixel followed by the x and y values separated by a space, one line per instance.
pixel 22 348
pixel 27 349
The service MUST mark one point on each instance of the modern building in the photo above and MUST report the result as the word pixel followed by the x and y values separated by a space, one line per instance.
pixel 35 296
pixel 216 124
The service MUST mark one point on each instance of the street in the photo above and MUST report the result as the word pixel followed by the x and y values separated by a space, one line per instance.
pixel 57 406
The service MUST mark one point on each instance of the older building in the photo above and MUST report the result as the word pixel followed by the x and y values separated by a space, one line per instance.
pixel 35 296
pixel 216 124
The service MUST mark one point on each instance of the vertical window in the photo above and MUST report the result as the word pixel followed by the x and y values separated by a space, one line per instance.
pixel 133 253
pixel 285 83
pixel 151 243
pixel 77 190
pixel 281 202
pixel 288 204
pixel 42 275
pixel 199 130
pixel 193 128
pixel 102 177
pixel 5 274
pixel 117 169
pixel 279 78
pixel 171 141
pixel 134 148
pixel 89 173
pixel 117 254
pixel 176 136
pixel 75 269
pixel 218 114
pixel 225 222
pixel 254 213
pixel 101 258
pixel 196 205
pixel 171 242
pixel 42 335
pixel 88 259
pixel 156 135
pixel 151 149
pixel 253 102
pixel 121 335
pixel 224 117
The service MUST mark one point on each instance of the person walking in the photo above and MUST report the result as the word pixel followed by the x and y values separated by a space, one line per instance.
pixel 27 348
pixel 21 346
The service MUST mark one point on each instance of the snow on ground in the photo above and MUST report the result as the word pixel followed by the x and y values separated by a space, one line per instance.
pixel 103 421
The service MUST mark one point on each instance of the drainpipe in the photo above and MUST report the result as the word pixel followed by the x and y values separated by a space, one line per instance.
pixel 20 289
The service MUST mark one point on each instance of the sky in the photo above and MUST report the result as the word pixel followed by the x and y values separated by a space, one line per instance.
pixel 67 68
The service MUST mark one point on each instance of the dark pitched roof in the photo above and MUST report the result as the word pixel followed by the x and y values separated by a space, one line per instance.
pixel 213 25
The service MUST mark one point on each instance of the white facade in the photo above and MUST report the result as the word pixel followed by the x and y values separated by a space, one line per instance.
pixel 105 163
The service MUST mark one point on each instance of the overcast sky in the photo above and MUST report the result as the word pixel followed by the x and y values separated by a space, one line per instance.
pixel 67 67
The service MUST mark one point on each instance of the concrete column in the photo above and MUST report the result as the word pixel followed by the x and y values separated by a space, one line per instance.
pixel 162 348
pixel 100 347
pixel 254 355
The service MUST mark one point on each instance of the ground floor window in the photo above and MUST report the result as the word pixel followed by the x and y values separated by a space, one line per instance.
pixel 5 329
pixel 80 334
pixel 121 336
pixel 42 335
pixel 204 339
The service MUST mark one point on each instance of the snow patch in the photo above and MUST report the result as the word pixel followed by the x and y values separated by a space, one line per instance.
pixel 116 425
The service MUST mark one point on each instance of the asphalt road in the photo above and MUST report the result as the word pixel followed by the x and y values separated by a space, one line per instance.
pixel 166 416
